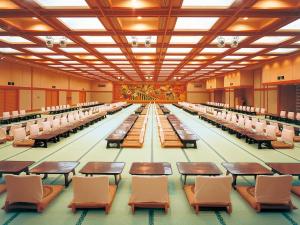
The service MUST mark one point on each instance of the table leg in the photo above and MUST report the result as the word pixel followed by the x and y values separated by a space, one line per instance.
pixel 0 174
pixel 26 171
pixel 45 176
pixel 195 145
pixel 117 180
pixel 234 180
pixel 184 179
pixel 67 182
pixel 259 144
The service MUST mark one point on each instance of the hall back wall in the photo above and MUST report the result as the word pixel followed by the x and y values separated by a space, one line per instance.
pixel 137 92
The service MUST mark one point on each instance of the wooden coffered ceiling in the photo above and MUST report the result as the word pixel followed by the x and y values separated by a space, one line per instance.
pixel 182 35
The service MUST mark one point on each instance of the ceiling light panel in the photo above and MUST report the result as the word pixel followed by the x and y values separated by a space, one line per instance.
pixel 142 39
pixel 40 50
pixel 271 40
pixel 109 50
pixel 293 26
pixel 248 50
pixel 283 50
pixel 143 50
pixel 185 39
pixel 179 50
pixel 9 50
pixel 15 40
pixel 214 50
pixel 82 23
pixel 74 50
pixel 195 23
pixel 62 4
pixel 210 4
pixel 98 39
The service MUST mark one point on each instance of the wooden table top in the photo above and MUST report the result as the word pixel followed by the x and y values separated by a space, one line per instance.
pixel 246 168
pixel 198 168
pixel 286 168
pixel 14 166
pixel 151 168
pixel 55 167
pixel 103 168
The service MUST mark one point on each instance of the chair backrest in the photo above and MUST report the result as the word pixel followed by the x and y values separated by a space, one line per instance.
pixel 28 124
pixel 259 129
pixel 91 189
pixel 248 125
pixel 287 136
pixel 271 131
pixel 22 112
pixel 298 116
pixel 282 113
pixel 6 114
pixel 2 133
pixel 241 122
pixel 262 110
pixel 15 113
pixel 19 134
pixel 43 109
pixel 34 130
pixel 291 115
pixel 22 188
pixel 257 110
pixel 55 124
pixel 149 189
pixel 212 189
pixel 46 126
pixel 273 189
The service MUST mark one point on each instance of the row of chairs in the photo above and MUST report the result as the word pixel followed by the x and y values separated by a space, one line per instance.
pixel 27 191
pixel 15 113
pixel 167 135
pixel 87 104
pixel 250 110
pixel 218 104
pixel 259 126
pixel 135 137
pixel 55 108
pixel 290 117
pixel 22 135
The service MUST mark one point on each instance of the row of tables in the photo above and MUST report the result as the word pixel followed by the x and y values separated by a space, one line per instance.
pixel 187 137
pixel 164 109
pixel 116 138
pixel 54 135
pixel 12 119
pixel 148 168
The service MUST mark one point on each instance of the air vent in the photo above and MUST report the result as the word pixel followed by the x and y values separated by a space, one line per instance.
pixel 101 85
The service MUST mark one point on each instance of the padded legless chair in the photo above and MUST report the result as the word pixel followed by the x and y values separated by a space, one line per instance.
pixel 286 142
pixel 20 139
pixel 210 192
pixel 149 192
pixel 3 136
pixel 270 192
pixel 27 192
pixel 92 192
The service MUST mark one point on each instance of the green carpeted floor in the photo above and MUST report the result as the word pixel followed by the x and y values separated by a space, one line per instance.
pixel 89 145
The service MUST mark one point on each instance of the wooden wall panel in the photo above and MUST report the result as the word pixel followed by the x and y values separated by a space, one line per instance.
pixel 62 97
pixel 75 97
pixel 25 99
pixel 2 101
pixel 11 100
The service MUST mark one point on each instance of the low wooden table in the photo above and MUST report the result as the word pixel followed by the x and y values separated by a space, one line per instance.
pixel 197 169
pixel 151 168
pixel 14 167
pixel 59 167
pixel 104 168
pixel 286 168
pixel 245 169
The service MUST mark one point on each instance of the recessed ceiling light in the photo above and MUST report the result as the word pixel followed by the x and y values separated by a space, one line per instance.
pixel 98 39
pixel 82 23
pixel 221 4
pixel 15 40
pixel 185 39
pixel 214 50
pixel 86 57
pixel 58 66
pixel 9 50
pixel 142 39
pixel 143 50
pixel 195 23
pixel 40 50
pixel 54 4
pixel 269 40
pixel 178 50
pixel 248 50
pixel 74 50
pixel 171 62
pixel 283 50
pixel 109 50
pixel 293 26
pixel 28 57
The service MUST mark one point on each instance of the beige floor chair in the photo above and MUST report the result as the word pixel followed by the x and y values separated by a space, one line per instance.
pixel 149 192
pixel 210 192
pixel 92 192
